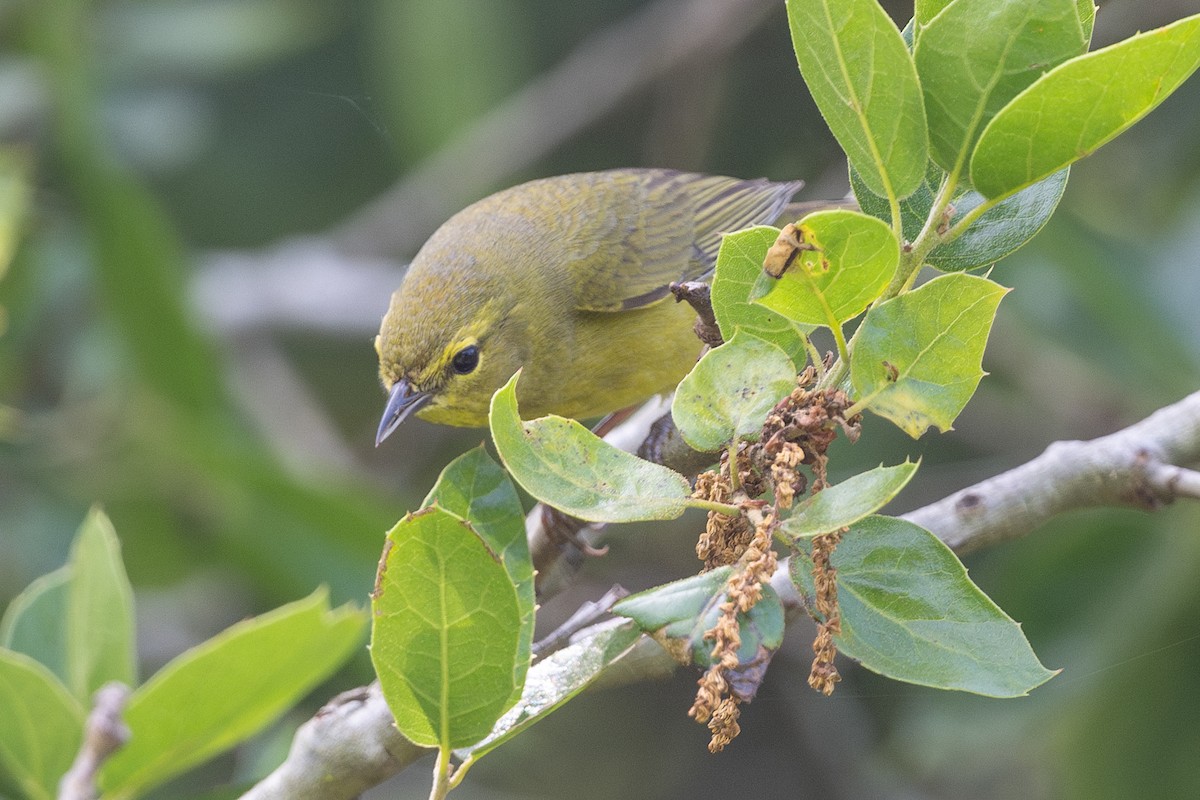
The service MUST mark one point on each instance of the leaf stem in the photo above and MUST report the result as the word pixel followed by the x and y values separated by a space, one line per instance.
pixel 457 776
pixel 897 217
pixel 862 405
pixel 961 226
pixel 815 355
pixel 441 775
pixel 712 505
pixel 832 322
pixel 912 258
pixel 840 338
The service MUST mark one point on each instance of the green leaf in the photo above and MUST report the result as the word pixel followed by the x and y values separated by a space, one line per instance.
pixel 730 391
pixel 41 729
pixel 925 10
pixel 565 465
pixel 446 632
pixel 739 263
pixel 557 678
pixel 995 234
pixel 847 502
pixel 910 612
pixel 34 623
pixel 863 80
pixel 1082 104
pixel 976 55
pixel 222 691
pixel 1000 230
pixel 917 358
pixel 99 620
pixel 475 488
pixel 1086 10
pixel 677 614
pixel 78 620
pixel 855 258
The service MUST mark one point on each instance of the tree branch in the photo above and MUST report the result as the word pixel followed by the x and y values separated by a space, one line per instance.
pixel 348 747
pixel 355 742
pixel 1137 467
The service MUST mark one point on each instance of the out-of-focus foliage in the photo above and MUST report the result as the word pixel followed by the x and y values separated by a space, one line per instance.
pixel 237 465
pixel 204 702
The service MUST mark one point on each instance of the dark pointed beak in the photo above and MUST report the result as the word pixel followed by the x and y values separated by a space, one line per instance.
pixel 401 402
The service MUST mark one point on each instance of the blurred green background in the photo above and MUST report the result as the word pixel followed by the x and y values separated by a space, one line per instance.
pixel 220 195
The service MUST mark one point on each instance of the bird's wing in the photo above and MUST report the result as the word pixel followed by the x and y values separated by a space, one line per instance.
pixel 647 228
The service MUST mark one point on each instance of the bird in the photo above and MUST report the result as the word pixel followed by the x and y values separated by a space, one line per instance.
pixel 566 278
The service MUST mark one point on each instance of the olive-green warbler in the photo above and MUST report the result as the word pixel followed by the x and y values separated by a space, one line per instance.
pixel 566 278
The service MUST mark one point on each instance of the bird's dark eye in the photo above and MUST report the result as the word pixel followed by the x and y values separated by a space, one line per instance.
pixel 466 360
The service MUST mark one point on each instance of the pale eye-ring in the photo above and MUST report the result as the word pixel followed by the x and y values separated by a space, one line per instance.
pixel 465 360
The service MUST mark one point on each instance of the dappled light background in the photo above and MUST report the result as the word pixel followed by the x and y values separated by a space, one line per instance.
pixel 222 197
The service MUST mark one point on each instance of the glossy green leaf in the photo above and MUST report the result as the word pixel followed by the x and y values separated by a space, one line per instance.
pixel 41 726
pixel 863 80
pixel 99 622
pixel 730 391
pixel 224 690
pixel 557 678
pixel 739 263
pixel 976 55
pixel 34 622
pixel 565 465
pixel 475 488
pixel 995 234
pixel 845 503
pixel 910 612
pixel 855 258
pixel 446 632
pixel 1079 105
pixel 918 356
pixel 680 612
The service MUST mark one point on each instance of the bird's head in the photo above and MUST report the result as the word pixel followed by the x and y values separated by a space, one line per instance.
pixel 447 342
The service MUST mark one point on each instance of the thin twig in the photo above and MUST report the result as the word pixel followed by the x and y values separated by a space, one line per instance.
pixel 587 614
pixel 1168 480
pixel 104 733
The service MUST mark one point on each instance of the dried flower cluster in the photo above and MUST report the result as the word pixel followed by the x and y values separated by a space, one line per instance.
pixel 729 681
pixel 824 675
pixel 799 430
pixel 725 538
pixel 797 433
